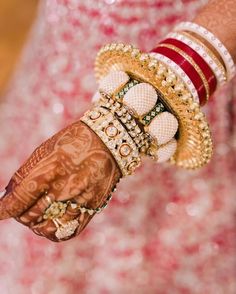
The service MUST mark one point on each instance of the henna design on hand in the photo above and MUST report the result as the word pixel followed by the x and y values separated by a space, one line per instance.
pixel 73 164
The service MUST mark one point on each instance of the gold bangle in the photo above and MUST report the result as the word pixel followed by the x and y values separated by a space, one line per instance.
pixel 194 147
pixel 193 63
pixel 115 137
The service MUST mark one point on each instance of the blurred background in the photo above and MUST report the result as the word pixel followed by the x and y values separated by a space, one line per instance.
pixel 166 230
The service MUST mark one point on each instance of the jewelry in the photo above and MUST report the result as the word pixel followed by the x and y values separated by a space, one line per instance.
pixel 213 40
pixel 158 108
pixel 190 68
pixel 197 59
pixel 92 211
pixel 141 139
pixel 120 95
pixel 194 141
pixel 65 230
pixel 165 62
pixel 56 209
pixel 202 50
pixel 115 137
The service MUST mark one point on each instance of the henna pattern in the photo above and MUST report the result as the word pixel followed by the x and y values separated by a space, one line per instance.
pixel 73 164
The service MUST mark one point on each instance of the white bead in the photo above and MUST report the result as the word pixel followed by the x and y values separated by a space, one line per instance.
pixel 113 82
pixel 141 98
pixel 163 127
pixel 164 153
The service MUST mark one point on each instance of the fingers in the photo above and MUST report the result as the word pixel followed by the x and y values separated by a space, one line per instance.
pixel 20 197
pixel 61 229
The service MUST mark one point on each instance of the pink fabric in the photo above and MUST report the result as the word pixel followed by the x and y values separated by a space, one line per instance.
pixel 167 230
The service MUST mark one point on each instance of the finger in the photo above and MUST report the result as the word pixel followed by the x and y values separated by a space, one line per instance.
pixel 49 228
pixel 20 197
pixel 35 213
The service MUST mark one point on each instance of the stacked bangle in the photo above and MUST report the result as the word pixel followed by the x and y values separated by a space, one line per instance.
pixel 208 56
pixel 175 78
pixel 214 41
pixel 194 145
pixel 184 86
pixel 115 137
pixel 190 67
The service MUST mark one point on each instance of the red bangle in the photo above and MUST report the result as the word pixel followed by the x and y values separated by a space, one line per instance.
pixel 207 71
pixel 188 68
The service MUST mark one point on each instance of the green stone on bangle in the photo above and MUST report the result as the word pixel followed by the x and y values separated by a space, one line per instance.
pixel 158 108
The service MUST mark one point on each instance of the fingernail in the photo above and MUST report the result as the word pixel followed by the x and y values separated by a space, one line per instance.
pixel 2 193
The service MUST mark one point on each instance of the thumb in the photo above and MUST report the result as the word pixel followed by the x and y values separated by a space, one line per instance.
pixel 6 200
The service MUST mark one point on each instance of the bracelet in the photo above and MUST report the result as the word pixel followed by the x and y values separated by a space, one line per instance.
pixel 194 145
pixel 190 67
pixel 115 137
pixel 209 57
pixel 212 39
pixel 138 98
pixel 165 62
pixel 141 139
pixel 199 62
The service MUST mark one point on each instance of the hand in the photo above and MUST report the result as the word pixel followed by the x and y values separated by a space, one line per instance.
pixel 72 165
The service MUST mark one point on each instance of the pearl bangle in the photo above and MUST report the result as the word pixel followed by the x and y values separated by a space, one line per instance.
pixel 213 40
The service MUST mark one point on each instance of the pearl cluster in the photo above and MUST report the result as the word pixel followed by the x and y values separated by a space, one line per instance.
pixel 112 82
pixel 141 101
pixel 141 98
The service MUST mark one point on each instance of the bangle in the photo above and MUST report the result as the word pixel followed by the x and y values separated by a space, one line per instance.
pixel 138 100
pixel 209 57
pixel 189 66
pixel 194 148
pixel 166 62
pixel 115 137
pixel 141 139
pixel 203 67
pixel 213 40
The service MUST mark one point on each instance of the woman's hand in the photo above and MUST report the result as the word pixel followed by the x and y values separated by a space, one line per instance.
pixel 73 165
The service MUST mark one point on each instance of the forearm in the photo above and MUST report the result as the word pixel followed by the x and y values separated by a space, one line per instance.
pixel 219 17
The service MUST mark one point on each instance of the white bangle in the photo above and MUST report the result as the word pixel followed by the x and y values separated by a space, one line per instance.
pixel 179 72
pixel 214 41
pixel 219 72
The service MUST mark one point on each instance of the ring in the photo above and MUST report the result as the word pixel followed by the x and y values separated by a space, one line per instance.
pixel 65 230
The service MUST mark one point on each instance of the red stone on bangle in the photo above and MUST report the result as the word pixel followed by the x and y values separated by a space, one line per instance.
pixel 188 68
pixel 206 70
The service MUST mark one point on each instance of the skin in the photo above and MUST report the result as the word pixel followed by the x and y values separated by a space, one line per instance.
pixel 74 164
pixel 219 17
